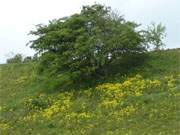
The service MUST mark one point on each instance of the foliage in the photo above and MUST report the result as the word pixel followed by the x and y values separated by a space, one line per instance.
pixel 18 58
pixel 27 59
pixel 155 35
pixel 87 45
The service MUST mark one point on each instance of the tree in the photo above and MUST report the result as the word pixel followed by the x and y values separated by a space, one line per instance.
pixel 87 44
pixel 155 34
pixel 27 59
pixel 18 58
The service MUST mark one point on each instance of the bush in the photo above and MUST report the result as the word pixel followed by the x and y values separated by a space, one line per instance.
pixel 16 59
pixel 27 59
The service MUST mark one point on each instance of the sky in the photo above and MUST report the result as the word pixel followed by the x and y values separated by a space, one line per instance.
pixel 18 17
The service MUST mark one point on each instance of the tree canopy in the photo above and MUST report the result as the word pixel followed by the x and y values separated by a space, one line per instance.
pixel 87 43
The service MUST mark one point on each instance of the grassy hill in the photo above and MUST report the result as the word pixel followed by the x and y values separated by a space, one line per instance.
pixel 145 101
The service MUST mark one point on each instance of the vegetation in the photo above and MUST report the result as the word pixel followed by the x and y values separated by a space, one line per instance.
pixel 122 87
pixel 144 101
pixel 86 46
pixel 155 35
pixel 18 58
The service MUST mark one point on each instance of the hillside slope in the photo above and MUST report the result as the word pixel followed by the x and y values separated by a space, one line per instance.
pixel 147 101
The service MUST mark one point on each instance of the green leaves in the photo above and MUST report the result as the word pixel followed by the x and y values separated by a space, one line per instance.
pixel 89 42
pixel 155 34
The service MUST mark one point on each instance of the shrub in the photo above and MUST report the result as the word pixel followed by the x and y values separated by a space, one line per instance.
pixel 27 59
pixel 18 58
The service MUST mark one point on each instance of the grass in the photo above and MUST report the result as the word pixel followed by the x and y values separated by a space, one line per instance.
pixel 137 104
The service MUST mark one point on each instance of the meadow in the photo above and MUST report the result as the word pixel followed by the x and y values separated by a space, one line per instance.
pixel 145 101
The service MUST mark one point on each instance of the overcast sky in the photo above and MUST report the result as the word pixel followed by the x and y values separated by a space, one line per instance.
pixel 18 17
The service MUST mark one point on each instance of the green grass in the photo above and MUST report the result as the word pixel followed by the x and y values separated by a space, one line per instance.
pixel 157 111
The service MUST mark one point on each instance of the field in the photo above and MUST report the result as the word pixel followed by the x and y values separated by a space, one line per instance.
pixel 143 102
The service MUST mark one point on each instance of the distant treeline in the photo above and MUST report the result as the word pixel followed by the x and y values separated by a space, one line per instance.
pixel 18 58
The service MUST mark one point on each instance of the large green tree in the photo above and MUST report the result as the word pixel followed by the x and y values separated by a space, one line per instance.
pixel 88 43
